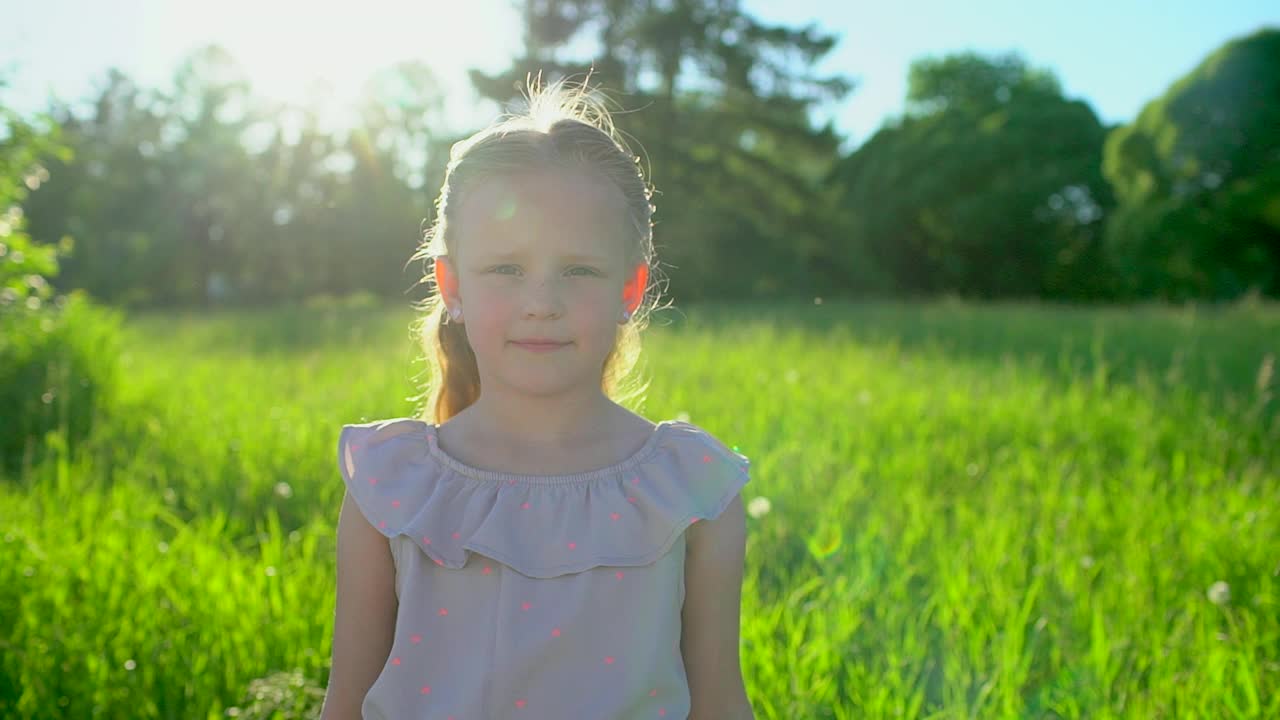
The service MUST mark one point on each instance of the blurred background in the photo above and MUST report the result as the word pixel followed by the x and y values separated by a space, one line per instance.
pixel 252 152
pixel 986 291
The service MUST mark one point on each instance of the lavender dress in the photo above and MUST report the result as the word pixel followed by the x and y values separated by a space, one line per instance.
pixel 535 596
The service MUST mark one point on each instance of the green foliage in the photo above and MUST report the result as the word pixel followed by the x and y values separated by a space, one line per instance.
pixel 741 210
pixel 968 83
pixel 25 265
pixel 57 365
pixel 281 696
pixel 59 370
pixel 1198 178
pixel 206 194
pixel 1000 511
pixel 990 187
pixel 991 184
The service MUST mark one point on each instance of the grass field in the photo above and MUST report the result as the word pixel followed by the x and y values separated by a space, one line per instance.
pixel 1000 511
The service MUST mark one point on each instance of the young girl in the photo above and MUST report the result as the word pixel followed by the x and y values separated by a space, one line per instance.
pixel 529 549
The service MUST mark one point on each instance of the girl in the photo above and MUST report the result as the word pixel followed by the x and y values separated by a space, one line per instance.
pixel 528 548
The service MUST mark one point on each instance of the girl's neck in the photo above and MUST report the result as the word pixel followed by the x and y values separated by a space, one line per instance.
pixel 541 423
pixel 504 438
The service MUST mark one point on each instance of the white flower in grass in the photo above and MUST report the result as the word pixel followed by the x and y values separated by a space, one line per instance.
pixel 1219 593
pixel 759 507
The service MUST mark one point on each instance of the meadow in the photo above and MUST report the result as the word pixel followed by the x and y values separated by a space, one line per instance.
pixel 973 511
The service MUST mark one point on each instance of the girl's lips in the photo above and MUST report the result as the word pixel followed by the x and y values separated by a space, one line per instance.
pixel 539 346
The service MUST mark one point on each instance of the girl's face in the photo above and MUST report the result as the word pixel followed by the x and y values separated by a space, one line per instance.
pixel 541 278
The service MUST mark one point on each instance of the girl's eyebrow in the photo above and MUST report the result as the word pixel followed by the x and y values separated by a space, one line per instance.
pixel 516 254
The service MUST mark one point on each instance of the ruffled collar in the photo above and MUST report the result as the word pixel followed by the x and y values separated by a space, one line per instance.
pixel 629 513
pixel 629 464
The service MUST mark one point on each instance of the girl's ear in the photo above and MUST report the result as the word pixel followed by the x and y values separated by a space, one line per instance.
pixel 633 289
pixel 446 280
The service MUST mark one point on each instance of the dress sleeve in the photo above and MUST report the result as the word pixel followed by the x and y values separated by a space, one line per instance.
pixel 717 475
pixel 377 461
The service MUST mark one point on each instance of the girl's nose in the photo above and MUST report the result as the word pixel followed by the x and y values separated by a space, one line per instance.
pixel 543 300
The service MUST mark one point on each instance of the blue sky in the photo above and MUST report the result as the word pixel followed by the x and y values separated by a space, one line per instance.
pixel 1117 55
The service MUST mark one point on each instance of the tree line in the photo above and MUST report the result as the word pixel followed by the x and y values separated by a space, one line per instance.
pixel 991 183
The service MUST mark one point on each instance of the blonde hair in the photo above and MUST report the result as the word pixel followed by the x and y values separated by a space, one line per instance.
pixel 565 126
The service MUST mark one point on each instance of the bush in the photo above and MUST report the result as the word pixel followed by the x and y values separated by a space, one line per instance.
pixel 59 368
pixel 281 696
pixel 58 355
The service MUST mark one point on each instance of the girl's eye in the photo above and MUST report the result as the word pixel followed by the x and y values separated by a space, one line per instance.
pixel 580 270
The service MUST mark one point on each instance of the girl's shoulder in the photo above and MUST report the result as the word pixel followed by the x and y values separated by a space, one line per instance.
pixel 629 513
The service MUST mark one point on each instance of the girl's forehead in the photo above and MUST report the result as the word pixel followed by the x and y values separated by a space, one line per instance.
pixel 544 211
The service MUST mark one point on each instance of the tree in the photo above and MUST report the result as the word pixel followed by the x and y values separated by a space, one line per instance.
pixel 990 185
pixel 402 127
pixel 107 197
pixel 1198 178
pixel 723 120
pixel 208 171
pixel 25 265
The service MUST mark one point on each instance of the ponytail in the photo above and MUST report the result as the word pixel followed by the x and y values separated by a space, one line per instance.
pixel 452 361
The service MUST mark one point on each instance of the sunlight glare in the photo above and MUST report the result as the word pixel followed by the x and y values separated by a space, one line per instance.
pixel 293 51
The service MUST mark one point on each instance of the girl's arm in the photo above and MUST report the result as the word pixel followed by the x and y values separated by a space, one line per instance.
pixel 715 553
pixel 365 617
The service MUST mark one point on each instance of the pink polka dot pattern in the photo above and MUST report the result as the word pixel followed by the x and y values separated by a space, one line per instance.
pixel 517 593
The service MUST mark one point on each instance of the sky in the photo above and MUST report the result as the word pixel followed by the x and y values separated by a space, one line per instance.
pixel 1116 54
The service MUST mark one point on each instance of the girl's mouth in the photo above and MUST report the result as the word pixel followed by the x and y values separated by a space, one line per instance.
pixel 539 345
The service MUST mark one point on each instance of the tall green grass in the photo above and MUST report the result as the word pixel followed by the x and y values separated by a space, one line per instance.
pixel 976 511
